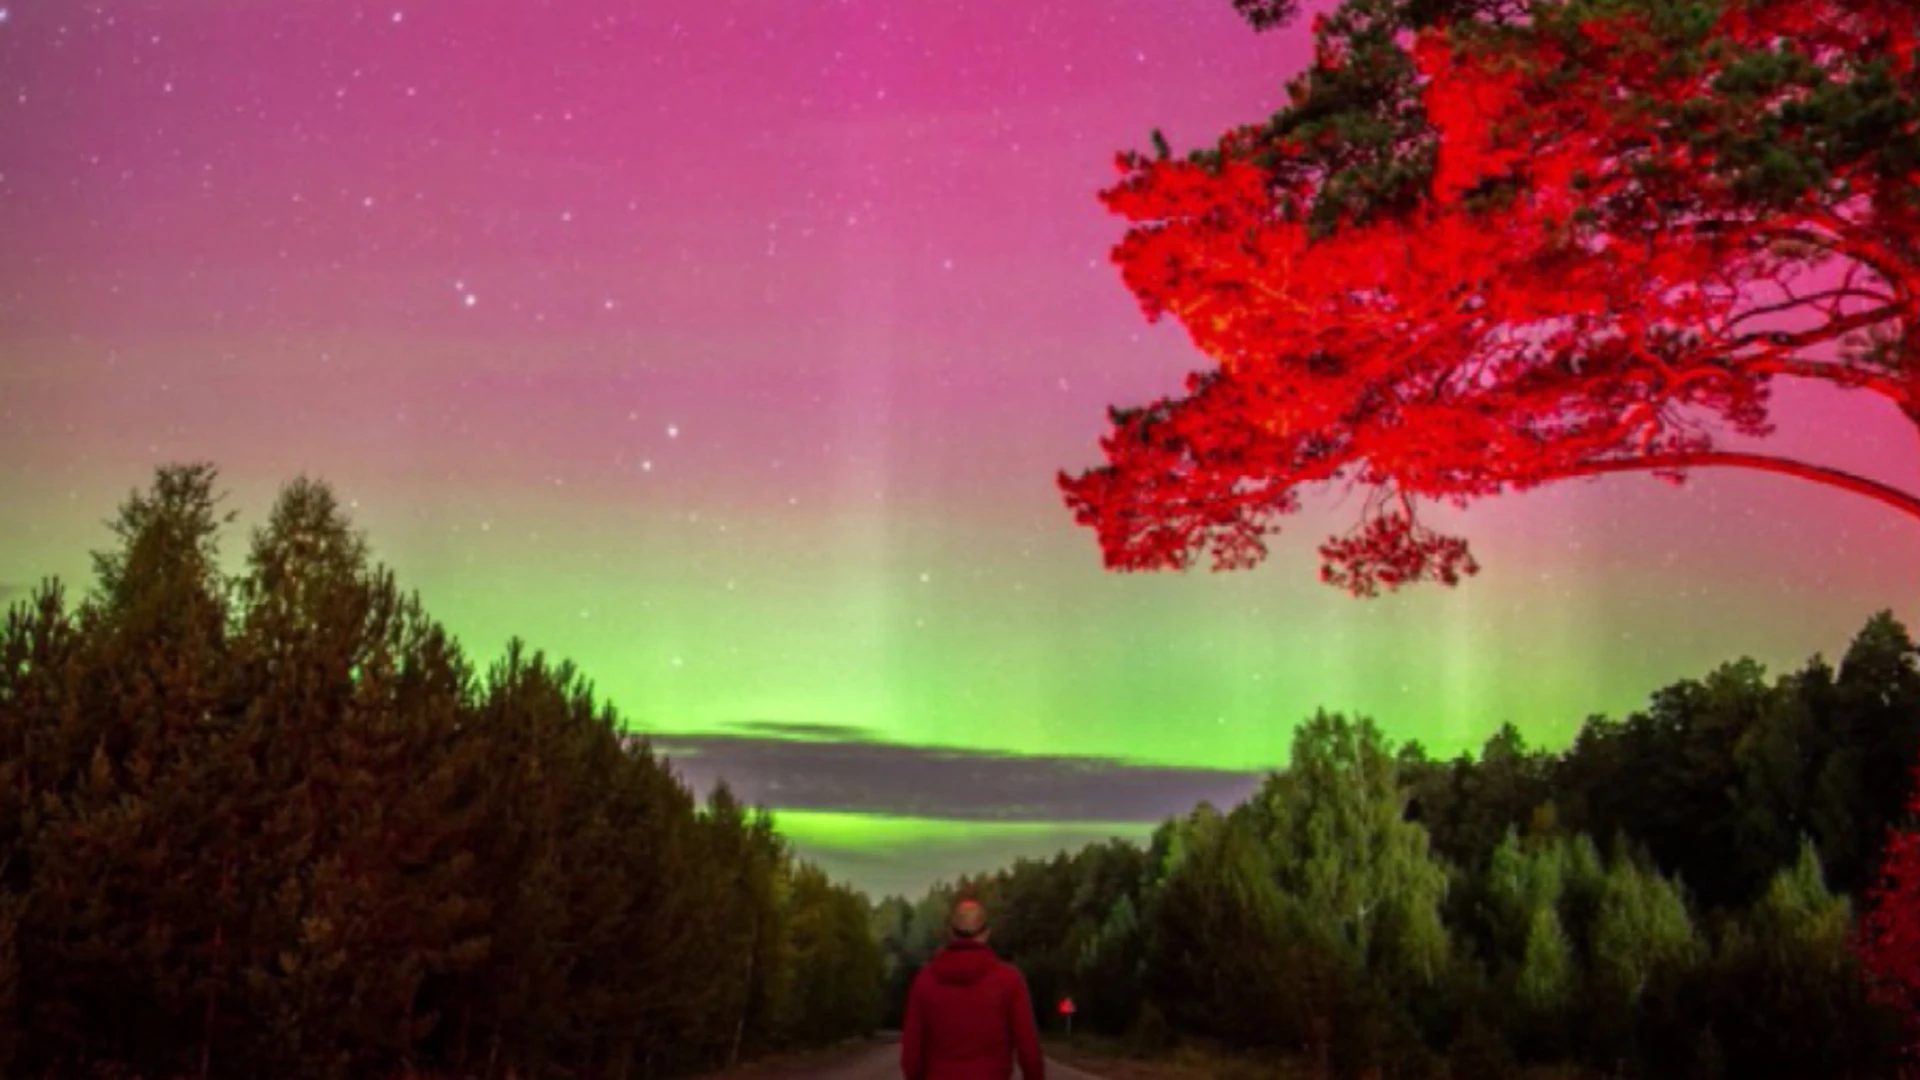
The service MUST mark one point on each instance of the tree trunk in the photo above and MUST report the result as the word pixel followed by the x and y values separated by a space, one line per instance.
pixel 1322 1046
pixel 212 1013
pixel 739 1029
pixel 746 999
pixel 463 1041
pixel 213 978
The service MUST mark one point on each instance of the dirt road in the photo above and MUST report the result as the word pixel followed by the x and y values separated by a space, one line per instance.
pixel 880 1060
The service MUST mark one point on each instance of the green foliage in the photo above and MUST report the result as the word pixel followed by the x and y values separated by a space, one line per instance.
pixel 832 957
pixel 277 825
pixel 1641 945
pixel 1215 955
pixel 1791 999
pixel 1721 776
pixel 1109 971
pixel 274 826
pixel 1333 825
pixel 1545 982
pixel 1466 804
pixel 1779 120
pixel 1316 921
pixel 1359 115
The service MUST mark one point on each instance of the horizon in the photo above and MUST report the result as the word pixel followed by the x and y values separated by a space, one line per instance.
pixel 859 806
pixel 862 849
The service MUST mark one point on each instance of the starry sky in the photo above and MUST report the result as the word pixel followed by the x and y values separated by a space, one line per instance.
pixel 729 348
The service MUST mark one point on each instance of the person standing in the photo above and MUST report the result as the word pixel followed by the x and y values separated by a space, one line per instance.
pixel 968 1013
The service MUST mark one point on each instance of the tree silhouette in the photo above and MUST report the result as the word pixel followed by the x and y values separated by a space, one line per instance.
pixel 272 825
pixel 1495 253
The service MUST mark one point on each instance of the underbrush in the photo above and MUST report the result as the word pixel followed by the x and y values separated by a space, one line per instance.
pixel 1128 1059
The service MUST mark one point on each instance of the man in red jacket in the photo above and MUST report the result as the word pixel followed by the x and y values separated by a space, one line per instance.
pixel 968 1015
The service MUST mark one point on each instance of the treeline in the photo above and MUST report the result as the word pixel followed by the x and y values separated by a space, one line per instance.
pixel 276 825
pixel 1669 897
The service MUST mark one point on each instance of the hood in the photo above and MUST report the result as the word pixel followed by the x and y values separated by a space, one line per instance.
pixel 963 963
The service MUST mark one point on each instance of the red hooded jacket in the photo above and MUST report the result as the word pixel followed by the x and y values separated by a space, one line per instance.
pixel 968 1017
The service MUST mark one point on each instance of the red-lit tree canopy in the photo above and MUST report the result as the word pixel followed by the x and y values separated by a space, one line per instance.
pixel 1889 934
pixel 1493 244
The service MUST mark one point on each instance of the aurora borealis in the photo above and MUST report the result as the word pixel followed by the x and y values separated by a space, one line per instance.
pixel 730 350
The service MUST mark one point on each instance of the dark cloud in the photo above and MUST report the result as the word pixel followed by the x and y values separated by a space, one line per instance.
pixel 862 776
pixel 792 730
pixel 909 868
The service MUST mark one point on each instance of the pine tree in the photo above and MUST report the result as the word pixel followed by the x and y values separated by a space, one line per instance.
pixel 1334 826
pixel 113 958
pixel 1109 968
pixel 1791 1001
pixel 1218 957
pixel 37 648
pixel 1642 945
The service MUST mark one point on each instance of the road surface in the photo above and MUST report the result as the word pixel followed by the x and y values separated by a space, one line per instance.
pixel 881 1061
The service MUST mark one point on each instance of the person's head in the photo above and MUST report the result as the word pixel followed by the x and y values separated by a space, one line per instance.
pixel 968 922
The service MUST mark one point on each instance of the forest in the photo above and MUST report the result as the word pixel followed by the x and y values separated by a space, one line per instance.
pixel 1677 894
pixel 277 824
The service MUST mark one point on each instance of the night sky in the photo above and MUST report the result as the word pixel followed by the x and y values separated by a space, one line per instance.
pixel 730 349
